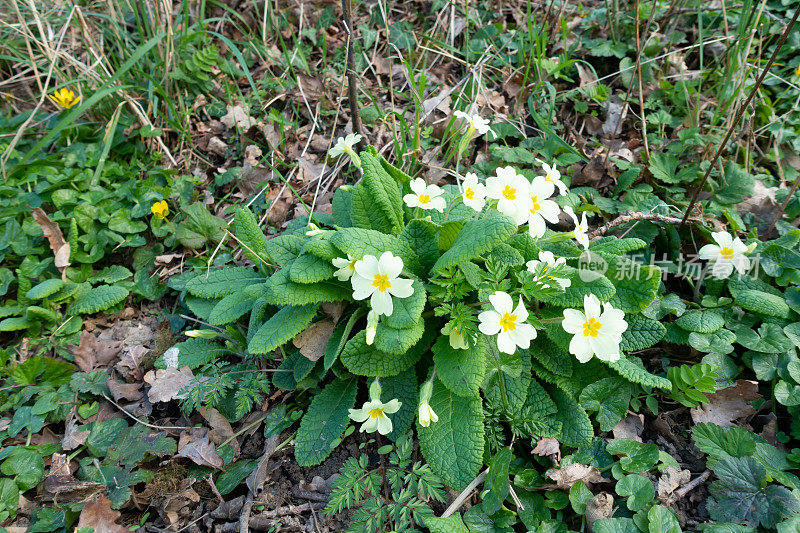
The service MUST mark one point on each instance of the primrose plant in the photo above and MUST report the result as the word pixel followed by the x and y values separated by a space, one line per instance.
pixel 457 310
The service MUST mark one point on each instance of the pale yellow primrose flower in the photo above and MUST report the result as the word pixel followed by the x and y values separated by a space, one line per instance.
pixel 378 279
pixel 476 123
pixel 581 231
pixel 550 260
pixel 595 333
pixel 344 145
pixel 347 267
pixel 426 413
pixel 425 196
pixel 727 254
pixel 541 209
pixel 507 322
pixel 457 339
pixel 511 192
pixel 373 413
pixel 64 98
pixel 474 192
pixel 552 175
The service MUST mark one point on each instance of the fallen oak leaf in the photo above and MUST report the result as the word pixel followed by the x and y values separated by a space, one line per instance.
pixel 99 515
pixel 568 475
pixel 166 384
pixel 92 353
pixel 728 404
pixel 221 430
pixel 124 391
pixel 548 447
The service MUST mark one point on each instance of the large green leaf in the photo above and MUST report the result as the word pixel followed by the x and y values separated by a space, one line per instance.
pixel 407 311
pixel 642 332
pixel 252 239
pixel 453 446
pixel 324 422
pixel 280 290
pixel 398 341
pixel 309 268
pixel 99 299
pixel 281 328
pixel 461 371
pixel 384 191
pixel 359 242
pixel 364 360
pixel 222 282
pixel 476 238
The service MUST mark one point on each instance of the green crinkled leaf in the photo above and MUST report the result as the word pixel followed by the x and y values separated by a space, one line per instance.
pixel 201 307
pixel 324 422
pixel 253 241
pixel 508 376
pixel 706 321
pixel 451 524
pixel 422 236
pixel 384 191
pixel 294 368
pixel 576 428
pixel 398 341
pixel 497 482
pixel 44 289
pixel 309 268
pixel 738 284
pixel 636 285
pixel 359 242
pixel 762 303
pixel 15 323
pixel 364 360
pixel 551 356
pixel 99 299
pixel 199 226
pixel 407 311
pixel 222 282
pixel 195 352
pixel 284 248
pixel 506 255
pixel 609 398
pixel 281 328
pixel 461 371
pixel 719 442
pixel 230 309
pixel 631 369
pixel 718 342
pixel 524 244
pixel 573 295
pixel 280 290
pixel 363 212
pixel 322 247
pixel 403 387
pixel 476 238
pixel 642 333
pixel 341 207
pixel 132 445
pixel 453 446
pixel 615 246
pixel 536 415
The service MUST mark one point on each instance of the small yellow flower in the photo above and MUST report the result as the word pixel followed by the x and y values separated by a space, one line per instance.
pixel 160 209
pixel 65 98
pixel 797 72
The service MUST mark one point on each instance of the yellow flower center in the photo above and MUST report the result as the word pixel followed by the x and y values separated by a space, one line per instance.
pixel 726 253
pixel 382 282
pixel 424 198
pixel 376 413
pixel 469 193
pixel 509 193
pixel 591 328
pixel 508 322
pixel 548 177
pixel 536 205
pixel 352 264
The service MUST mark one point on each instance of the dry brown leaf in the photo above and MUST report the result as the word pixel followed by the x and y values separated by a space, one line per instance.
pixel 62 485
pixel 221 430
pixel 125 391
pixel 314 339
pixel 727 405
pixel 630 427
pixel 672 478
pixel 334 310
pixel 312 88
pixel 548 447
pixel 73 436
pixel 586 75
pixel 599 507
pixel 217 146
pixel 92 353
pixel 568 475
pixel 200 451
pixel 99 515
pixel 237 117
pixel 166 384
pixel 130 364
pixel 52 232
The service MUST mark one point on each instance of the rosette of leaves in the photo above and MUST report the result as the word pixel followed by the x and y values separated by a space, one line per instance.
pixel 456 260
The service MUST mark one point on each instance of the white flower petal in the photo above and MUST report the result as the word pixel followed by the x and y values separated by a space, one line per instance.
pixel 390 265
pixel 401 288
pixel 489 322
pixel 381 303
pixel 501 301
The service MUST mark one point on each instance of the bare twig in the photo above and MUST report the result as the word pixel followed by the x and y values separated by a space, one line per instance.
pixel 466 493
pixel 739 114
pixel 685 489
pixel 629 216
pixel 352 77
pixel 782 209
pixel 244 517
pixel 142 422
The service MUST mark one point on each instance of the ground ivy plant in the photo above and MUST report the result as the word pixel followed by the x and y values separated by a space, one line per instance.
pixel 456 310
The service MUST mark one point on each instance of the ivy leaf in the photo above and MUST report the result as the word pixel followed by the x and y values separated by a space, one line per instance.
pixel 497 481
pixel 324 422
pixel 635 456
pixel 742 494
pixel 476 238
pixel 609 397
pixel 281 328
pixel 453 446
pixel 461 371
pixel 638 489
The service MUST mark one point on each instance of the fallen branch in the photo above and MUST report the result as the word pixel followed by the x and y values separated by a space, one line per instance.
pixel 684 490
pixel 629 216
pixel 466 493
